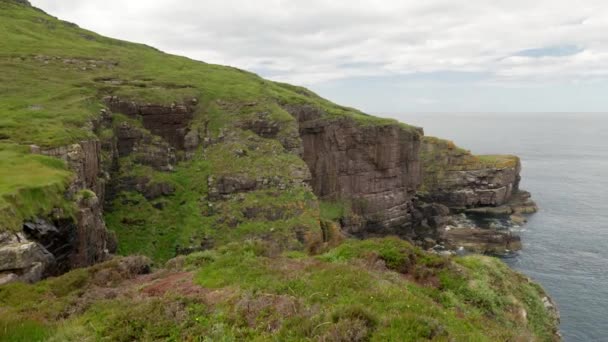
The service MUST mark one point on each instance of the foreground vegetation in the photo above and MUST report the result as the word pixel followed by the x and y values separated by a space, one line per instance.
pixel 378 290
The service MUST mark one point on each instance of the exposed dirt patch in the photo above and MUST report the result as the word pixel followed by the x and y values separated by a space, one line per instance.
pixel 178 283
pixel 294 266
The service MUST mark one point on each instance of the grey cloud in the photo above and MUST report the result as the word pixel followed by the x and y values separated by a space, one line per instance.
pixel 317 41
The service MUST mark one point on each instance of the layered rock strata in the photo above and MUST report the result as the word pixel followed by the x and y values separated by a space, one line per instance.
pixel 171 122
pixel 376 167
pixel 460 180
pixel 481 187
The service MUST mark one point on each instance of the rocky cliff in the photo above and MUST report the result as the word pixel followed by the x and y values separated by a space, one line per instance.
pixel 375 167
pixel 54 243
pixel 483 187
pixel 458 179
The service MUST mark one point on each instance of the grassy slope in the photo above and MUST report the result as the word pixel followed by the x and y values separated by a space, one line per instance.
pixel 29 184
pixel 378 290
pixel 53 77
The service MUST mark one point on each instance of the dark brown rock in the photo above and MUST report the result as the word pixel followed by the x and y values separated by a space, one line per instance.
pixel 91 234
pixel 84 160
pixel 156 190
pixel 263 126
pixel 167 121
pixel 374 166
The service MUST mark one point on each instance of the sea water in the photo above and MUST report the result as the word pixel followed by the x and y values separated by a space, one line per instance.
pixel 565 167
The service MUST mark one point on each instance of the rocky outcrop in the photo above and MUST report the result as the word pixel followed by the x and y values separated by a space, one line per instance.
pixel 224 186
pixel 145 148
pixel 428 221
pixel 458 179
pixel 87 188
pixel 375 167
pixel 485 188
pixel 84 160
pixel 92 238
pixel 22 259
pixel 263 125
pixel 476 188
pixel 145 186
pixel 479 240
pixel 167 121
pixel 61 241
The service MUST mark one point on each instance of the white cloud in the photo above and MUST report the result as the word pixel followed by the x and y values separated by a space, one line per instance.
pixel 310 42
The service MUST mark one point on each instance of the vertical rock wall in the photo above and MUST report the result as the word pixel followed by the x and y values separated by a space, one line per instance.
pixel 91 235
pixel 375 167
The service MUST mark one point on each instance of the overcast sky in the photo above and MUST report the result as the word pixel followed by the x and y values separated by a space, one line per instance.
pixel 385 56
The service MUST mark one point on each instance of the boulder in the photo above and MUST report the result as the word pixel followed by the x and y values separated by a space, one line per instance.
pixel 22 259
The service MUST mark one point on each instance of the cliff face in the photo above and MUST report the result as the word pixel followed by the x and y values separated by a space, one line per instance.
pixel 457 179
pixel 374 167
pixel 484 187
pixel 60 241
pixel 171 122
pixel 88 189
pixel 378 169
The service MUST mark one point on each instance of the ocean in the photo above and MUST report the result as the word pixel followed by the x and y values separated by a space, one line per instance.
pixel 565 167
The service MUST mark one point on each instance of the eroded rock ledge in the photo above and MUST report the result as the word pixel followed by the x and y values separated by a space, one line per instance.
pixel 474 188
pixel 171 122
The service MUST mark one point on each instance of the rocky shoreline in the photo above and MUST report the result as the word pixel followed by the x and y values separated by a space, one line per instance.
pixel 485 230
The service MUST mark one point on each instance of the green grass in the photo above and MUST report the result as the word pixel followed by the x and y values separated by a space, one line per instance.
pixel 188 216
pixel 30 185
pixel 23 331
pixel 247 294
pixel 499 161
pixel 333 210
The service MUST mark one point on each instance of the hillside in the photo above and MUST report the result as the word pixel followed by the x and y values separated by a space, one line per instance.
pixel 246 196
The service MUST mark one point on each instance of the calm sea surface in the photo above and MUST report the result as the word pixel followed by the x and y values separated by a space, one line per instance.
pixel 565 166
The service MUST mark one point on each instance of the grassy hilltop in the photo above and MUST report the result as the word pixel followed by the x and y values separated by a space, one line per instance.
pixel 258 282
